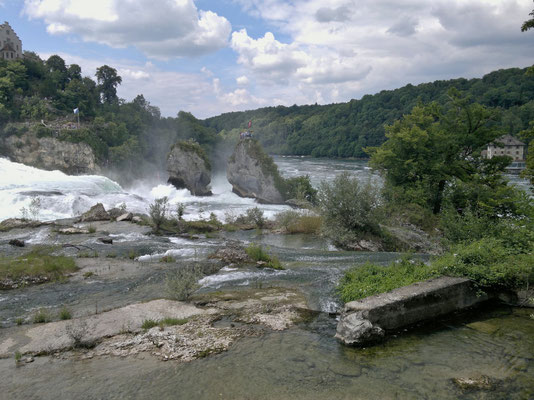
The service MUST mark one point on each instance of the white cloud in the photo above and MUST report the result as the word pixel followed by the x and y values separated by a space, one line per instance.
pixel 242 80
pixel 163 29
pixel 348 48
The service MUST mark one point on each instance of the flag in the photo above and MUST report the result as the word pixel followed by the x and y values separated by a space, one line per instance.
pixel 249 124
pixel 76 110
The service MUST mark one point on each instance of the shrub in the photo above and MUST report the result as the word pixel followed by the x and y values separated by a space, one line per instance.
pixel 41 316
pixel 167 259
pixel 64 313
pixel 91 229
pixel 158 211
pixel 294 222
pixel 182 283
pixel 489 263
pixel 349 209
pixel 255 216
pixel 257 254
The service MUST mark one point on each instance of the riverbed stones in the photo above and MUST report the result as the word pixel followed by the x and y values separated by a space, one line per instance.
pixel 125 217
pixel 252 174
pixel 367 320
pixel 189 168
pixel 17 243
pixel 95 213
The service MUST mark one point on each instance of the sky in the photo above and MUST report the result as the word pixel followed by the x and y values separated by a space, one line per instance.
pixel 208 57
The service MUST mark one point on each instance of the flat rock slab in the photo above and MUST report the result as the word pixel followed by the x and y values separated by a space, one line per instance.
pixel 60 335
pixel 367 320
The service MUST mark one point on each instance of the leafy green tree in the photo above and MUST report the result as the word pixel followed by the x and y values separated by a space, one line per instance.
pixel 528 24
pixel 430 148
pixel 108 80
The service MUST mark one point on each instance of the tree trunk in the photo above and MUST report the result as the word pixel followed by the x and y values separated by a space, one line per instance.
pixel 439 197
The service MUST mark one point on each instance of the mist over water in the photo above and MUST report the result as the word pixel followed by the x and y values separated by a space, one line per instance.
pixel 64 196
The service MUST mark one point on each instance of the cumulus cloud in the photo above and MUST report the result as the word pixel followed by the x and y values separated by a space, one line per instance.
pixel 170 28
pixel 339 14
pixel 242 80
pixel 405 27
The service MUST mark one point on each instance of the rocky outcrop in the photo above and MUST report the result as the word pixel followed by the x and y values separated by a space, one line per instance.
pixel 189 168
pixel 367 320
pixel 253 174
pixel 95 213
pixel 51 154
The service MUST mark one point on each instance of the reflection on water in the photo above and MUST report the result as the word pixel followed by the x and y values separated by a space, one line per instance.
pixel 307 363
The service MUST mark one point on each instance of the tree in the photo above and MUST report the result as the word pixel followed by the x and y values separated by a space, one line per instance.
pixel 108 80
pixel 528 24
pixel 431 147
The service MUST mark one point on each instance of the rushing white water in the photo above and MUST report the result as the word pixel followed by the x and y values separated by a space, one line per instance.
pixel 64 196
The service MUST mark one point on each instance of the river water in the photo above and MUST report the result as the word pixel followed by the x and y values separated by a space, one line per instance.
pixel 304 362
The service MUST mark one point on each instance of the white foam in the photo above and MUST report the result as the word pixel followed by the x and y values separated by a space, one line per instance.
pixel 236 276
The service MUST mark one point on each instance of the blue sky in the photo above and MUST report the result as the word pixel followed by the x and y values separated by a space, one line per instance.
pixel 213 56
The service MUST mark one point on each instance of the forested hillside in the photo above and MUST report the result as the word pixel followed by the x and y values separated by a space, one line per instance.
pixel 40 96
pixel 345 129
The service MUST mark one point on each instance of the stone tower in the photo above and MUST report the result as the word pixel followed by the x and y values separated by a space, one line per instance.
pixel 10 44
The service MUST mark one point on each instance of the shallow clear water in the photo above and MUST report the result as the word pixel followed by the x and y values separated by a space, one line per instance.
pixel 307 363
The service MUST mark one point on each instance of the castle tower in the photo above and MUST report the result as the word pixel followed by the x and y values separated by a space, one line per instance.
pixel 10 44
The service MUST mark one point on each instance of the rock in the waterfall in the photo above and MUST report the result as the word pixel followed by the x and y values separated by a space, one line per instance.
pixel 96 213
pixel 51 154
pixel 189 168
pixel 125 217
pixel 253 173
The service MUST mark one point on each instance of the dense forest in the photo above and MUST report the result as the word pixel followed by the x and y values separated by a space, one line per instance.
pixel 346 129
pixel 122 133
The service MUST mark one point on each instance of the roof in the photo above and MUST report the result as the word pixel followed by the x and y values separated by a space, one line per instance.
pixel 508 140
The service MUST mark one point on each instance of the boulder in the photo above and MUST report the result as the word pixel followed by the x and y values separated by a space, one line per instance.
pixel 16 243
pixel 96 213
pixel 367 320
pixel 51 154
pixel 189 168
pixel 125 217
pixel 115 212
pixel 253 174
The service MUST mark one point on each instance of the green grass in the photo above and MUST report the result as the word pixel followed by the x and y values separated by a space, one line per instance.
pixel 37 263
pixel 41 316
pixel 150 323
pixel 257 254
pixel 488 262
pixel 64 313
pixel 370 279
pixel 167 259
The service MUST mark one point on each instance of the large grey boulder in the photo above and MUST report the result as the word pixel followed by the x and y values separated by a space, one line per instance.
pixel 253 174
pixel 367 320
pixel 51 154
pixel 95 213
pixel 189 168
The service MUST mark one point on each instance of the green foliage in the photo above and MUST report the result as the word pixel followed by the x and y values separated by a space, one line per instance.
pixel 370 279
pixel 182 283
pixel 39 262
pixel 149 323
pixel 260 256
pixel 65 313
pixel 489 263
pixel 292 221
pixel 108 80
pixel 255 216
pixel 192 146
pixel 528 24
pixel 157 211
pixel 349 209
pixel 346 129
pixel 18 356
pixel 169 321
pixel 492 264
pixel 41 316
pixel 300 188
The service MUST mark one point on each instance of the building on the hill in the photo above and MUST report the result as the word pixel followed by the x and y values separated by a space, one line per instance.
pixel 510 147
pixel 10 44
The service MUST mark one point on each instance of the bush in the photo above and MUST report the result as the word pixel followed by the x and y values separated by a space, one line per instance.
pixel 294 222
pixel 349 209
pixel 158 211
pixel 41 316
pixel 260 256
pixel 489 263
pixel 255 216
pixel 182 283
pixel 64 313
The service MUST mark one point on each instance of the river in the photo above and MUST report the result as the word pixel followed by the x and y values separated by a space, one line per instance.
pixel 304 362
